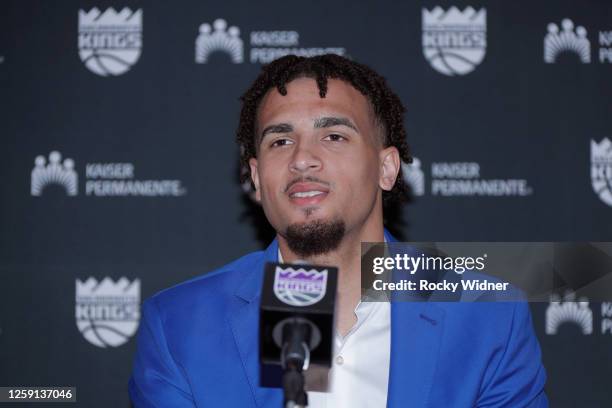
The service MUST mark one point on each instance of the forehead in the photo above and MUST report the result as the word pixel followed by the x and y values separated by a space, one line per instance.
pixel 304 101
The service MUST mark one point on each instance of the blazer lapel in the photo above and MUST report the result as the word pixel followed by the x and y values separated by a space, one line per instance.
pixel 416 333
pixel 244 322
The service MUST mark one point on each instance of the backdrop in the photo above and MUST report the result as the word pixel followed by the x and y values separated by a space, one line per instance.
pixel 121 172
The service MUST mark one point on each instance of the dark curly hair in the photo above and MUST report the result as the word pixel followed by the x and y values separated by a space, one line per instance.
pixel 388 109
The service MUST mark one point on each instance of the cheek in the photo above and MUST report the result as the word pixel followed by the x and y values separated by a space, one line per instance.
pixel 363 168
pixel 270 182
pixel 359 179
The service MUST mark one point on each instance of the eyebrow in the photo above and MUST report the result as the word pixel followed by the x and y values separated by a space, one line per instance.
pixel 276 128
pixel 319 123
pixel 330 121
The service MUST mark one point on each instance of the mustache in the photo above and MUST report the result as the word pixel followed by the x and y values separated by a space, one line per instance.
pixel 307 179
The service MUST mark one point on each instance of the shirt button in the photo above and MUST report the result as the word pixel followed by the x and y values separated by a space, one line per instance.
pixel 339 360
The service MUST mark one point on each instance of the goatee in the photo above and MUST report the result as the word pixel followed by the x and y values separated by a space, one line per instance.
pixel 315 238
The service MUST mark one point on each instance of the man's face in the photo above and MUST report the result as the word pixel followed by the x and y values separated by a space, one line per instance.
pixel 320 160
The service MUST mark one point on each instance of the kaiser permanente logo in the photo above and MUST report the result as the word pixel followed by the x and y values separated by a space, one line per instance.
pixel 54 171
pixel 414 176
pixel 601 169
pixel 110 43
pixel 451 179
pixel 576 312
pixel 107 312
pixel 101 179
pixel 454 42
pixel 572 39
pixel 265 46
pixel 219 38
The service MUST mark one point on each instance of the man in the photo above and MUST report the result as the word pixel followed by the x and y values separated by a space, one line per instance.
pixel 323 139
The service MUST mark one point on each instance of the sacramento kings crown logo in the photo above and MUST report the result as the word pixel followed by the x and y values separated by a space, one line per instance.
pixel 559 312
pixel 218 38
pixel 107 313
pixel 299 287
pixel 110 42
pixel 601 169
pixel 557 41
pixel 53 172
pixel 454 42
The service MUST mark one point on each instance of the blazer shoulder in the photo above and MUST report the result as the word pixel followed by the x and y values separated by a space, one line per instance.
pixel 213 286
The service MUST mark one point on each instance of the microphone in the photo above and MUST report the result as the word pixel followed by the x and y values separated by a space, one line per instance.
pixel 296 322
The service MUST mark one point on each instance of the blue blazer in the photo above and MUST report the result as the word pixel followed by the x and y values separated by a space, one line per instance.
pixel 198 346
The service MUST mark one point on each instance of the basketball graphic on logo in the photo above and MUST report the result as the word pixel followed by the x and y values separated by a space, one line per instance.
pixel 107 63
pixel 454 63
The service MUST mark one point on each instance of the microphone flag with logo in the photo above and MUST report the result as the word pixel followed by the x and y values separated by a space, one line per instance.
pixel 297 301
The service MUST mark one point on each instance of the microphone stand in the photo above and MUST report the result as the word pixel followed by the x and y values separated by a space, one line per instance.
pixel 295 357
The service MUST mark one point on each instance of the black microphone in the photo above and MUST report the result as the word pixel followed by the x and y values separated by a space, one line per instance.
pixel 296 325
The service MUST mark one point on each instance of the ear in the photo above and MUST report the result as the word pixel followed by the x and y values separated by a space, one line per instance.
pixel 389 167
pixel 255 177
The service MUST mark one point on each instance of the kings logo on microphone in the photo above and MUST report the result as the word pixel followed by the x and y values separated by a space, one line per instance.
pixel 299 287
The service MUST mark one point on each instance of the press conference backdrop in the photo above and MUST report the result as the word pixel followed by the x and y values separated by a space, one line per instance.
pixel 120 170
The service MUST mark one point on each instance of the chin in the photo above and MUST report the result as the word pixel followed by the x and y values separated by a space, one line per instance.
pixel 315 238
pixel 312 213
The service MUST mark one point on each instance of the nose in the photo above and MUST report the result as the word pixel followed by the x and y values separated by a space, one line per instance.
pixel 304 159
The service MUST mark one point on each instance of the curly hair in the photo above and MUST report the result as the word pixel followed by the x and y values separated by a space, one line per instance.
pixel 387 107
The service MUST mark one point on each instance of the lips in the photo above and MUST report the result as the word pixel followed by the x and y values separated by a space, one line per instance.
pixel 307 193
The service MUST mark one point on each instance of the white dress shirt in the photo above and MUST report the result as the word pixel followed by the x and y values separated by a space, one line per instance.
pixel 359 376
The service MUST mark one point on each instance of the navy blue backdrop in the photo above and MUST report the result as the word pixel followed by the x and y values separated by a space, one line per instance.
pixel 120 170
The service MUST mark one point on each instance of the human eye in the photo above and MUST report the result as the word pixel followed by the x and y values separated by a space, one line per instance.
pixel 335 137
pixel 280 142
